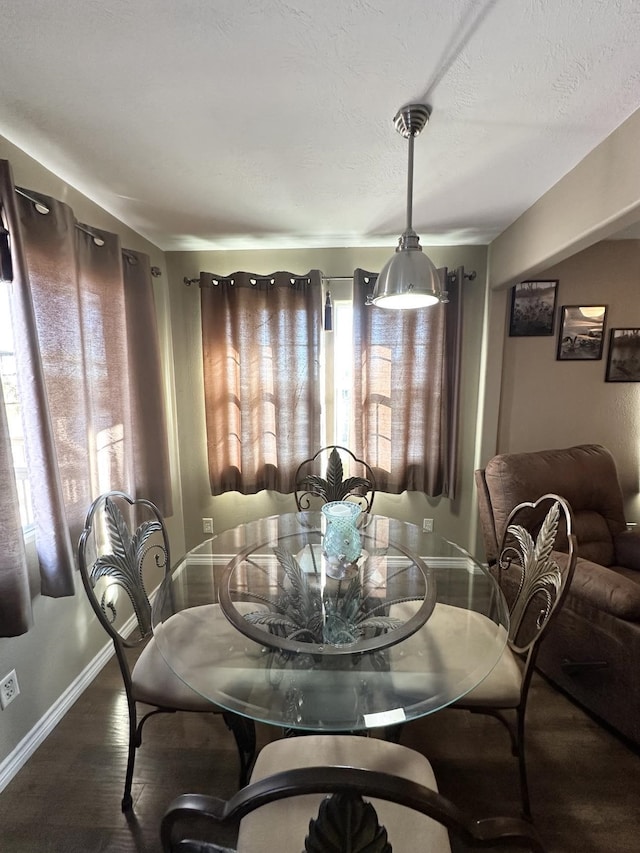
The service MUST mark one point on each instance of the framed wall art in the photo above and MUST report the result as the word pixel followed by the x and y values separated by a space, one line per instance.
pixel 581 334
pixel 533 308
pixel 623 361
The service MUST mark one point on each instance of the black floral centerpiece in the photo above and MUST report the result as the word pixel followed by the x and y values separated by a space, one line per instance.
pixel 338 612
pixel 282 593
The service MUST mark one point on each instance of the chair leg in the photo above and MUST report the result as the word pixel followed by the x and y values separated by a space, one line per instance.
pixel 524 784
pixel 516 735
pixel 244 732
pixel 134 741
pixel 506 722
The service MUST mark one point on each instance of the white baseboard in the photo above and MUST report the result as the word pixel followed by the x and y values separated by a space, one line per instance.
pixel 28 745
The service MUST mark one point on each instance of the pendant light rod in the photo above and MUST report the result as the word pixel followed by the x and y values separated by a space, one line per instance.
pixel 409 121
pixel 410 185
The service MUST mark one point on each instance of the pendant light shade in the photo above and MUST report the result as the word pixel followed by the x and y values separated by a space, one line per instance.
pixel 409 279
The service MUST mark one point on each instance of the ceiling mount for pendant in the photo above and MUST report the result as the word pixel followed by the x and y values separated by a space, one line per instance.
pixel 409 279
pixel 411 120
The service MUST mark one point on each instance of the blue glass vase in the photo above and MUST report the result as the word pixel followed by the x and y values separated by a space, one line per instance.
pixel 342 544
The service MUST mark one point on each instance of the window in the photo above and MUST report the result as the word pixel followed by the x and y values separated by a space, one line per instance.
pixel 337 360
pixel 387 387
pixel 343 371
pixel 8 375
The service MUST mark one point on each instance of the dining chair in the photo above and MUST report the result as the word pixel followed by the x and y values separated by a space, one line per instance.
pixel 119 568
pixel 286 808
pixel 312 488
pixel 534 576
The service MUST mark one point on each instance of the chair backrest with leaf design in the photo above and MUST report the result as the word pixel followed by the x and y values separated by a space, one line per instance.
pixel 123 554
pixel 321 479
pixel 532 572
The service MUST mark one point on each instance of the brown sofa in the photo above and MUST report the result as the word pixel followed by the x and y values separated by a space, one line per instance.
pixel 592 651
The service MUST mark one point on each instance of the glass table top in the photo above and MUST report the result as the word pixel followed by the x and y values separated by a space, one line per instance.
pixel 256 621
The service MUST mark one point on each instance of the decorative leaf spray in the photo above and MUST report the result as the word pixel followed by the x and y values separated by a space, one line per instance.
pixel 123 566
pixel 341 613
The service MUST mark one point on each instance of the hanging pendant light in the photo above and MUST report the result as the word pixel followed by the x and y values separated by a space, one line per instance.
pixel 409 279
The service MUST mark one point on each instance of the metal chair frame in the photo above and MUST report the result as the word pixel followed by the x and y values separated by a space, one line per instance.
pixel 541 581
pixel 333 486
pixel 345 814
pixel 123 567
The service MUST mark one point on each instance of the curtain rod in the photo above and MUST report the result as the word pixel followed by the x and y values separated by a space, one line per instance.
pixel 189 281
pixel 131 257
pixel 470 276
pixel 41 207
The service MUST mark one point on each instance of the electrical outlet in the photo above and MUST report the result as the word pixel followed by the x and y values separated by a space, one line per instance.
pixel 207 525
pixel 9 689
pixel 427 525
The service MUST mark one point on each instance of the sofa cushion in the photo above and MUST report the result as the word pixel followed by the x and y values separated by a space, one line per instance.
pixel 595 542
pixel 585 476
pixel 627 545
pixel 612 589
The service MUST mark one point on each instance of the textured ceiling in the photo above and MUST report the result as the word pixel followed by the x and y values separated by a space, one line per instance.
pixel 268 123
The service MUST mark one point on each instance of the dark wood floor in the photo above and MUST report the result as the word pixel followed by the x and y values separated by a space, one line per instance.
pixel 585 782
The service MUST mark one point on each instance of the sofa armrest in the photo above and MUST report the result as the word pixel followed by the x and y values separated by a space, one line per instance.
pixel 627 546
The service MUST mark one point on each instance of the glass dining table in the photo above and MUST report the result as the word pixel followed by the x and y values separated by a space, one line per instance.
pixel 261 621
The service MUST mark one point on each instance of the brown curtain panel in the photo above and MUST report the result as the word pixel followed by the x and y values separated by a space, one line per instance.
pixel 261 349
pixel 406 375
pixel 89 374
pixel 150 448
pixel 53 542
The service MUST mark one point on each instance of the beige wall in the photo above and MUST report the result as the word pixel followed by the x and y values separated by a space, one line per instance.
pixel 597 198
pixel 528 400
pixel 547 403
pixel 453 519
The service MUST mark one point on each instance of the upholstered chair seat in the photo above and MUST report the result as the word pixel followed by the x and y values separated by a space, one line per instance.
pixel 328 792
pixel 502 688
pixel 154 682
pixel 263 829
